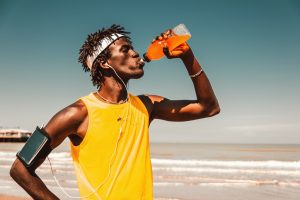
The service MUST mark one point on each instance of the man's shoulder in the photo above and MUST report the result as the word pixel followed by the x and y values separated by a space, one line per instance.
pixel 77 106
pixel 75 111
pixel 150 98
pixel 148 102
pixel 144 98
pixel 67 120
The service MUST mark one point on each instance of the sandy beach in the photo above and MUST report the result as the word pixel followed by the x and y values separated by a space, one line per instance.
pixel 5 197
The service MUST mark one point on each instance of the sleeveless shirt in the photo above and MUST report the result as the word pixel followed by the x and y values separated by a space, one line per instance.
pixel 113 160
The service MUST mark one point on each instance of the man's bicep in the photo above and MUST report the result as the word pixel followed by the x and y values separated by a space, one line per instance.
pixel 176 110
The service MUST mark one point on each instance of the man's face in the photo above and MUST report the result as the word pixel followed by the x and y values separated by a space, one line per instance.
pixel 125 60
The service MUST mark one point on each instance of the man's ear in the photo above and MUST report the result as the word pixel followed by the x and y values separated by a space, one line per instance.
pixel 104 65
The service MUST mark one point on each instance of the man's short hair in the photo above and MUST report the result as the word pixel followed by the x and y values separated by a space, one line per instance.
pixel 89 47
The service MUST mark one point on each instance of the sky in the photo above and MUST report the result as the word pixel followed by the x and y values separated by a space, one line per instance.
pixel 250 50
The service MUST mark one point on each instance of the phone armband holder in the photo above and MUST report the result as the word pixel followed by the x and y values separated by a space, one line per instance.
pixel 37 147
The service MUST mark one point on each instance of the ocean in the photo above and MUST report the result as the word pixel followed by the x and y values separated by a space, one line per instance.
pixel 187 171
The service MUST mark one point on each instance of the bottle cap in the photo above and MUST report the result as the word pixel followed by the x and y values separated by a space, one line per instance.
pixel 146 58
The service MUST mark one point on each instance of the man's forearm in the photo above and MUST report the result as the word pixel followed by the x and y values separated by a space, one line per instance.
pixel 30 182
pixel 204 92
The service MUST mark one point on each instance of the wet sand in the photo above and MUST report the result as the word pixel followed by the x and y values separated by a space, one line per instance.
pixel 5 197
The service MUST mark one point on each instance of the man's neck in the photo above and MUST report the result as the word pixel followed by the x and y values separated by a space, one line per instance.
pixel 113 90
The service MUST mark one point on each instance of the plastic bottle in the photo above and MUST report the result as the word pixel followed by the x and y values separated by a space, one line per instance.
pixel 179 35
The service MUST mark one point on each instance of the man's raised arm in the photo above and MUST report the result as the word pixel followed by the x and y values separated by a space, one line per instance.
pixel 206 104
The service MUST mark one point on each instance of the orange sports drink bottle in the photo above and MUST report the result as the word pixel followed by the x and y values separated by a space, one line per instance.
pixel 179 35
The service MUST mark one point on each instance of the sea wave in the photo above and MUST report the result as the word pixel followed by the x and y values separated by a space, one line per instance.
pixel 227 171
pixel 270 164
pixel 65 158
pixel 227 184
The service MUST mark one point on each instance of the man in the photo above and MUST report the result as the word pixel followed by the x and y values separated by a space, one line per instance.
pixel 108 129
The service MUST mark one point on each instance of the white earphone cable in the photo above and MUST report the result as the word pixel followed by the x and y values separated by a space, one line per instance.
pixel 113 154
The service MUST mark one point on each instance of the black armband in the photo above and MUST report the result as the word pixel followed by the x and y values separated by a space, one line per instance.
pixel 37 147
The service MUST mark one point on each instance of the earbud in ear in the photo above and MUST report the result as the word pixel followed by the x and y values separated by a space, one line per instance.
pixel 106 64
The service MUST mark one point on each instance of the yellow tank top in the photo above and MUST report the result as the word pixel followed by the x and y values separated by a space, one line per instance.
pixel 113 160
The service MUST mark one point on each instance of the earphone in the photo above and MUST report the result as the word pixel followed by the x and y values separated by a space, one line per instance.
pixel 94 191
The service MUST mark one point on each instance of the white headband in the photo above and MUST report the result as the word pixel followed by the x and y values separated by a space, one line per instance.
pixel 103 44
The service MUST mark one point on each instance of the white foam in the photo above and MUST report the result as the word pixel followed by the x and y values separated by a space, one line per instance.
pixel 168 184
pixel 4 187
pixel 65 158
pixel 292 165
pixel 7 153
pixel 72 181
pixel 227 171
pixel 227 183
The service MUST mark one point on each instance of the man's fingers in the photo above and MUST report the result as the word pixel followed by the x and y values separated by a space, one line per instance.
pixel 176 53
pixel 158 38
pixel 165 36
pixel 166 52
pixel 182 47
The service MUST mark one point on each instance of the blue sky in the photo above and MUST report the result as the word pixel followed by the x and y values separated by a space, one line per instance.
pixel 250 51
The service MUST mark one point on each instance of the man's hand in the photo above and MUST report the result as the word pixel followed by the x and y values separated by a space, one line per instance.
pixel 179 52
